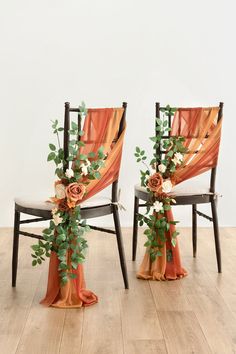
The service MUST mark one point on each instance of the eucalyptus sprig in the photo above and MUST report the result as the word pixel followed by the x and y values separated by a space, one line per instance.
pixel 161 167
pixel 66 231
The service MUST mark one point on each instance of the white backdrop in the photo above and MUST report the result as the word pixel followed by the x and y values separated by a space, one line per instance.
pixel 104 52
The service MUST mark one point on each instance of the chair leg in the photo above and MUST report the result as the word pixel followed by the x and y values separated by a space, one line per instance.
pixel 216 234
pixel 15 247
pixel 194 229
pixel 120 246
pixel 135 228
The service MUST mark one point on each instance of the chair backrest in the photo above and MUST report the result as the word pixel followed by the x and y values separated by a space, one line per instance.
pixel 68 111
pixel 159 151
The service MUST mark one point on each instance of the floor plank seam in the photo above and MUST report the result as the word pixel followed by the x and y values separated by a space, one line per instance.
pixel 82 331
pixel 163 335
pixel 199 324
pixel 210 276
pixel 27 317
pixel 121 325
pixel 62 331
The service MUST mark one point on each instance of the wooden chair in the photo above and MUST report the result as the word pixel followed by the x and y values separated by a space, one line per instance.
pixel 94 207
pixel 192 197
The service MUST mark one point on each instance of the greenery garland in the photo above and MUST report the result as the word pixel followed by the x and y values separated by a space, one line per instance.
pixel 65 234
pixel 158 179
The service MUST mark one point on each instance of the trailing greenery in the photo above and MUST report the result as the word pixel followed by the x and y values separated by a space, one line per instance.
pixel 66 232
pixel 158 179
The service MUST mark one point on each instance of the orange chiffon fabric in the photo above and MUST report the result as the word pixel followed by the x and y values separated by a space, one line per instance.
pixel 101 128
pixel 202 132
pixel 163 268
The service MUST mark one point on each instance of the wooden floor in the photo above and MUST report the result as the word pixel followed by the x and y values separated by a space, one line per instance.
pixel 194 315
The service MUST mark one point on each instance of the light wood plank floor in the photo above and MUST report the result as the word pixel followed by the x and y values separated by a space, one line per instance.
pixel 194 315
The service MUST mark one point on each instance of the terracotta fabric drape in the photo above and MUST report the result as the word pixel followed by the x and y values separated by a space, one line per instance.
pixel 101 128
pixel 202 132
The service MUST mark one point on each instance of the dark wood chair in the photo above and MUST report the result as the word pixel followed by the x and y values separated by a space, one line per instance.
pixel 94 207
pixel 193 197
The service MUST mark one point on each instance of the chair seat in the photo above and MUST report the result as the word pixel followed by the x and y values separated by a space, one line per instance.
pixel 186 188
pixel 38 204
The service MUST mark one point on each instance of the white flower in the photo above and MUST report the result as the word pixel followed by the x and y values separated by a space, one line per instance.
pixel 54 211
pixel 69 173
pixel 84 167
pixel 60 191
pixel 87 162
pixel 167 186
pixel 178 158
pixel 157 206
pixel 162 168
pixel 57 219
pixel 176 161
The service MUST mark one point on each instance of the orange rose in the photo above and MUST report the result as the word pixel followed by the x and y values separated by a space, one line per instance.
pixel 155 182
pixel 74 193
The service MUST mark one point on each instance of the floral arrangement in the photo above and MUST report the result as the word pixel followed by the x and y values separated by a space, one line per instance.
pixel 65 234
pixel 158 179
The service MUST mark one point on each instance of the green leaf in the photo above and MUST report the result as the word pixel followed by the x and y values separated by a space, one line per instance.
pixel 34 262
pixel 52 147
pixel 54 125
pixel 100 152
pixel 48 231
pixel 159 121
pixel 97 174
pixel 147 243
pixel 74 265
pixel 74 126
pixel 83 157
pixel 170 153
pixel 72 275
pixel 35 247
pixel 175 234
pixel 51 156
pixel 91 154
pixel 137 149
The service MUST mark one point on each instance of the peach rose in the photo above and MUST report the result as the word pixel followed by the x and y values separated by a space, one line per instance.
pixel 74 193
pixel 155 182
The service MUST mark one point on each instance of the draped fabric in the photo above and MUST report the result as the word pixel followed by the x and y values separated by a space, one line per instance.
pixel 202 131
pixel 101 127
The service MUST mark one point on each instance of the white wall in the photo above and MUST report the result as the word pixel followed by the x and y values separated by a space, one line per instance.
pixel 103 52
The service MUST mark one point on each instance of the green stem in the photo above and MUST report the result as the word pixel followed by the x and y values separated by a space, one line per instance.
pixel 146 165
pixel 58 140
